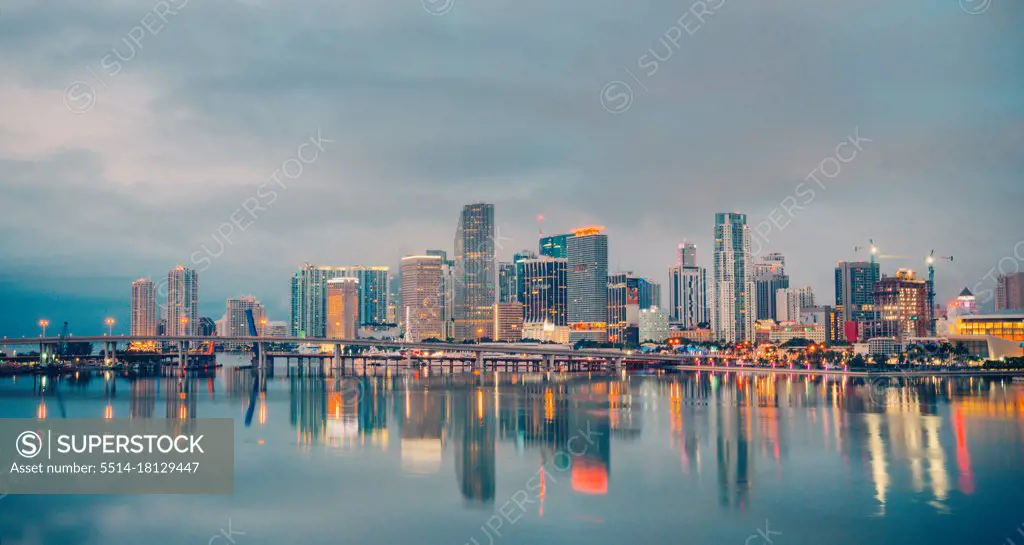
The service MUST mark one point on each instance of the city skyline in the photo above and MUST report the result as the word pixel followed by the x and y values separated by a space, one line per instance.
pixel 195 141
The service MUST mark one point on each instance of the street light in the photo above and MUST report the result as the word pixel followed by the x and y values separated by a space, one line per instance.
pixel 110 326
pixel 43 324
pixel 263 327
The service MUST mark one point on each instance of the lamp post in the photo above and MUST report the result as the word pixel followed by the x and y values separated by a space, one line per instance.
pixel 263 327
pixel 110 326
pixel 43 323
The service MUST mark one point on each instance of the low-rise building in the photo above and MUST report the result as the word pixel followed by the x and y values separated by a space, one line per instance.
pixel 784 332
pixel 546 332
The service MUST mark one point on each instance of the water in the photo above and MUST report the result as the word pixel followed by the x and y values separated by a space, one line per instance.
pixel 533 458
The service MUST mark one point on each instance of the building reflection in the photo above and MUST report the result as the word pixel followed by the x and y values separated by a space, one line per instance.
pixel 908 435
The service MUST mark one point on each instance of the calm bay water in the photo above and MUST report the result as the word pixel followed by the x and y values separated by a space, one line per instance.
pixel 697 458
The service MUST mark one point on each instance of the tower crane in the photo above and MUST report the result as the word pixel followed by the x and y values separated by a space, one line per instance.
pixel 870 247
pixel 930 260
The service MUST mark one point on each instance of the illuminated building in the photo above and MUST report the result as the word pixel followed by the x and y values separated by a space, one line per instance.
pixel 143 308
pixel 1008 326
pixel 182 309
pixel 688 289
pixel 769 278
pixel 1010 292
pixel 518 261
pixel 474 272
pixel 508 291
pixel 627 296
pixel 901 302
pixel 825 316
pixel 309 296
pixel 508 322
pixel 732 311
pixel 855 291
pixel 588 284
pixel 781 333
pixel 447 293
pixel 555 246
pixel 545 291
pixel 653 325
pixel 343 308
pixel 546 332
pixel 421 297
pixel 791 301
pixel 235 322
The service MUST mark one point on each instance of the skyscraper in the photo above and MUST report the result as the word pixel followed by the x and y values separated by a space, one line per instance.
pixel 474 272
pixel 343 307
pixel 790 301
pixel 588 284
pixel 855 290
pixel 628 294
pixel 309 296
pixel 447 299
pixel 143 311
pixel 508 291
pixel 546 290
pixel 688 297
pixel 1010 292
pixel 236 324
pixel 517 259
pixel 901 303
pixel 686 255
pixel 769 278
pixel 182 309
pixel 554 246
pixel 733 313
pixel 421 297
pixel 687 289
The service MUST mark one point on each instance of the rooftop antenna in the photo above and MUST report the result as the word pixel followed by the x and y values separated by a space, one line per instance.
pixel 540 225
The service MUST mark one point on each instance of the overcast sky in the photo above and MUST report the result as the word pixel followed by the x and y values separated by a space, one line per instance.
pixel 132 131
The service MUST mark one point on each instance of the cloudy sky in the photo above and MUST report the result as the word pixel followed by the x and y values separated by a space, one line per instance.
pixel 133 134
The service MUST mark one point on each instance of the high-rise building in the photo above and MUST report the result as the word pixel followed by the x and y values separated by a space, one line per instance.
pixel 309 296
pixel 343 307
pixel 686 255
pixel 588 284
pixel 791 301
pixel 421 297
pixel 447 294
pixel 627 296
pixel 182 309
pixel 508 291
pixel 144 310
pixel 769 278
pixel 1010 292
pixel 474 272
pixel 517 259
pixel 770 263
pixel 207 327
pixel 855 290
pixel 653 325
pixel 687 289
pixel 554 246
pixel 236 324
pixel 901 303
pixel 545 291
pixel 508 322
pixel 732 312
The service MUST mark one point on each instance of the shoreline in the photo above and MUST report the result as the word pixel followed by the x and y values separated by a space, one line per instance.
pixel 833 372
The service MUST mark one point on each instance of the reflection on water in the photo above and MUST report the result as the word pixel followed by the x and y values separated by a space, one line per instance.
pixel 731 442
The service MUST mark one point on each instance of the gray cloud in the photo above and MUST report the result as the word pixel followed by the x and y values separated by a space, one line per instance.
pixel 497 101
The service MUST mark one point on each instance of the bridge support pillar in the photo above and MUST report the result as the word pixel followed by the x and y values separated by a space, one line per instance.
pixel 620 363
pixel 549 362
pixel 479 363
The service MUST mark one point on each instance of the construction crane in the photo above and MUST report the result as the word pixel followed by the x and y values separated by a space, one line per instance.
pixel 870 247
pixel 930 260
